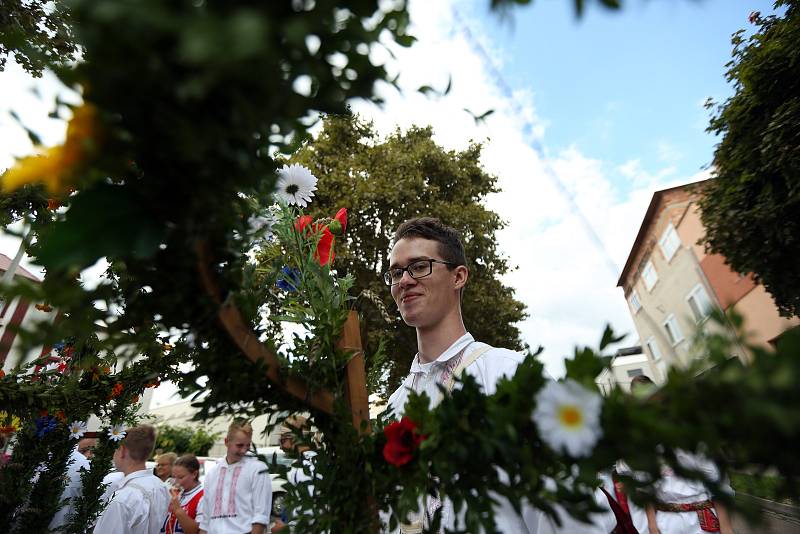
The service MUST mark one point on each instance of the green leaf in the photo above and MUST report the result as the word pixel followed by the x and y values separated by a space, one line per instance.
pixel 107 220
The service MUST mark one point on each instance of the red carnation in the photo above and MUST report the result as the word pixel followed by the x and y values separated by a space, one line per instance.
pixel 401 441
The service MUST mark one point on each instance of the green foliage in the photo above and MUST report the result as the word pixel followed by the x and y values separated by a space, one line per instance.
pixel 751 209
pixel 78 383
pixel 185 439
pixel 38 32
pixel 381 181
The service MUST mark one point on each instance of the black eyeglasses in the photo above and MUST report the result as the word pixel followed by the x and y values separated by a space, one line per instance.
pixel 417 269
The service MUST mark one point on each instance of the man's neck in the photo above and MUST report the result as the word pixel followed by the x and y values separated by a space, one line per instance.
pixel 233 460
pixel 132 468
pixel 432 342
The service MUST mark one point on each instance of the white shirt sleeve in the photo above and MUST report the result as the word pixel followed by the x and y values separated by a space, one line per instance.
pixel 203 514
pixel 114 519
pixel 262 495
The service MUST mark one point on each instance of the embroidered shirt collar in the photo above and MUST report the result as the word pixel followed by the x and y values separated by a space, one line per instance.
pixel 459 345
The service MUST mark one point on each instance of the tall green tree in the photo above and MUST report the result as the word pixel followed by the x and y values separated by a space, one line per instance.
pixel 383 182
pixel 751 208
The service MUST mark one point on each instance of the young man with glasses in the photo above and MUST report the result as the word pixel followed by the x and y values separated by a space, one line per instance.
pixel 427 274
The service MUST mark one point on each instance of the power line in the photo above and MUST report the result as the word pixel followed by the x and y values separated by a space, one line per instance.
pixel 534 143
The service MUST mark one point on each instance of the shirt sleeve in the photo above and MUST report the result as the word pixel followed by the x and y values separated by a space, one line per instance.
pixel 113 520
pixel 199 512
pixel 203 514
pixel 262 495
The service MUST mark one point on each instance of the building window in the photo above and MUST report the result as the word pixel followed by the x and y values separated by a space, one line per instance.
pixel 635 372
pixel 633 300
pixel 655 350
pixel 649 275
pixel 673 330
pixel 699 302
pixel 669 242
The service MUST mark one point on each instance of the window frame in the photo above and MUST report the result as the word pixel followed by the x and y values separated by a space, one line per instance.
pixel 634 296
pixel 699 290
pixel 651 342
pixel 649 267
pixel 670 237
pixel 673 321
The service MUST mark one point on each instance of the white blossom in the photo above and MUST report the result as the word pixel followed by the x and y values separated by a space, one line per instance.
pixel 568 417
pixel 77 429
pixel 296 185
pixel 117 432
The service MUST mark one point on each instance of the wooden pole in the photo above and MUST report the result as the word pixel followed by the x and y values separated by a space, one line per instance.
pixel 357 396
pixel 247 341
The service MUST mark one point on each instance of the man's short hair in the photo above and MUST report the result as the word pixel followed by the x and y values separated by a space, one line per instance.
pixel 240 425
pixel 450 246
pixel 140 442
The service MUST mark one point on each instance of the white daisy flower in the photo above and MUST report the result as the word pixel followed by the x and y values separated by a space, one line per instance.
pixel 117 432
pixel 568 417
pixel 77 429
pixel 296 185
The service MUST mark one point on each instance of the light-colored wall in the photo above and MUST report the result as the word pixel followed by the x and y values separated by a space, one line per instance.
pixel 763 323
pixel 676 279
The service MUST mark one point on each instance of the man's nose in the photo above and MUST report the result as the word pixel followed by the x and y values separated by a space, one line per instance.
pixel 406 280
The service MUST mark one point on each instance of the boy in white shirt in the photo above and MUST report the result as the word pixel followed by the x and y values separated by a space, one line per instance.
pixel 238 489
pixel 140 503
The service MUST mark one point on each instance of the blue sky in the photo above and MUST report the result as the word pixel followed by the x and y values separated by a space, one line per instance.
pixel 619 85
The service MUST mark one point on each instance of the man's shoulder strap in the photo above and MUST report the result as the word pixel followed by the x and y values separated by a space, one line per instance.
pixel 465 362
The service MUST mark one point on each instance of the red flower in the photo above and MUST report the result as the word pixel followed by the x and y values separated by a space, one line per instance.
pixel 324 253
pixel 401 441
pixel 116 391
pixel 2 374
pixel 61 416
pixel 303 222
pixel 341 216
pixel 52 204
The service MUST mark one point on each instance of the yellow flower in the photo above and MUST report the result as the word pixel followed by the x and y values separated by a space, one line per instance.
pixel 8 424
pixel 57 166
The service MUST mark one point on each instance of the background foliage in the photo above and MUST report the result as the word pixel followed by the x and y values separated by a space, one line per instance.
pixel 185 439
pixel 751 209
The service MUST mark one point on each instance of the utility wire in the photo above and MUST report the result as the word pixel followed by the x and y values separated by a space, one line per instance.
pixel 534 143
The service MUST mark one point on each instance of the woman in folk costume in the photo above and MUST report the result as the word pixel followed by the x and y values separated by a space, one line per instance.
pixel 184 507
pixel 686 506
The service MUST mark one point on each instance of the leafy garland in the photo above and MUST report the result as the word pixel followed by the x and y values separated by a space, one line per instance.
pixel 50 399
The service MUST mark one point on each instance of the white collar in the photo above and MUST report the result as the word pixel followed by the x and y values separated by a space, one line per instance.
pixel 137 474
pixel 459 345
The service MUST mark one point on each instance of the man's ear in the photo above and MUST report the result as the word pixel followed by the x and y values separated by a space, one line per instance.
pixel 461 275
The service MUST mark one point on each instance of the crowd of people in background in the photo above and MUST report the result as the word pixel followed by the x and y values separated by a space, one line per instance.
pixel 170 498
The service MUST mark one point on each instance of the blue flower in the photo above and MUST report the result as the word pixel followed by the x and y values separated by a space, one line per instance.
pixel 44 425
pixel 59 345
pixel 290 279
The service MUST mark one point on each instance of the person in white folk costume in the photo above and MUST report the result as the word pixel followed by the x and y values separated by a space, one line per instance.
pixel 427 275
pixel 140 502
pixel 78 462
pixel 238 490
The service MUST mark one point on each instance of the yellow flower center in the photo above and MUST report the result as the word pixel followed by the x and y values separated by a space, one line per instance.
pixel 570 416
